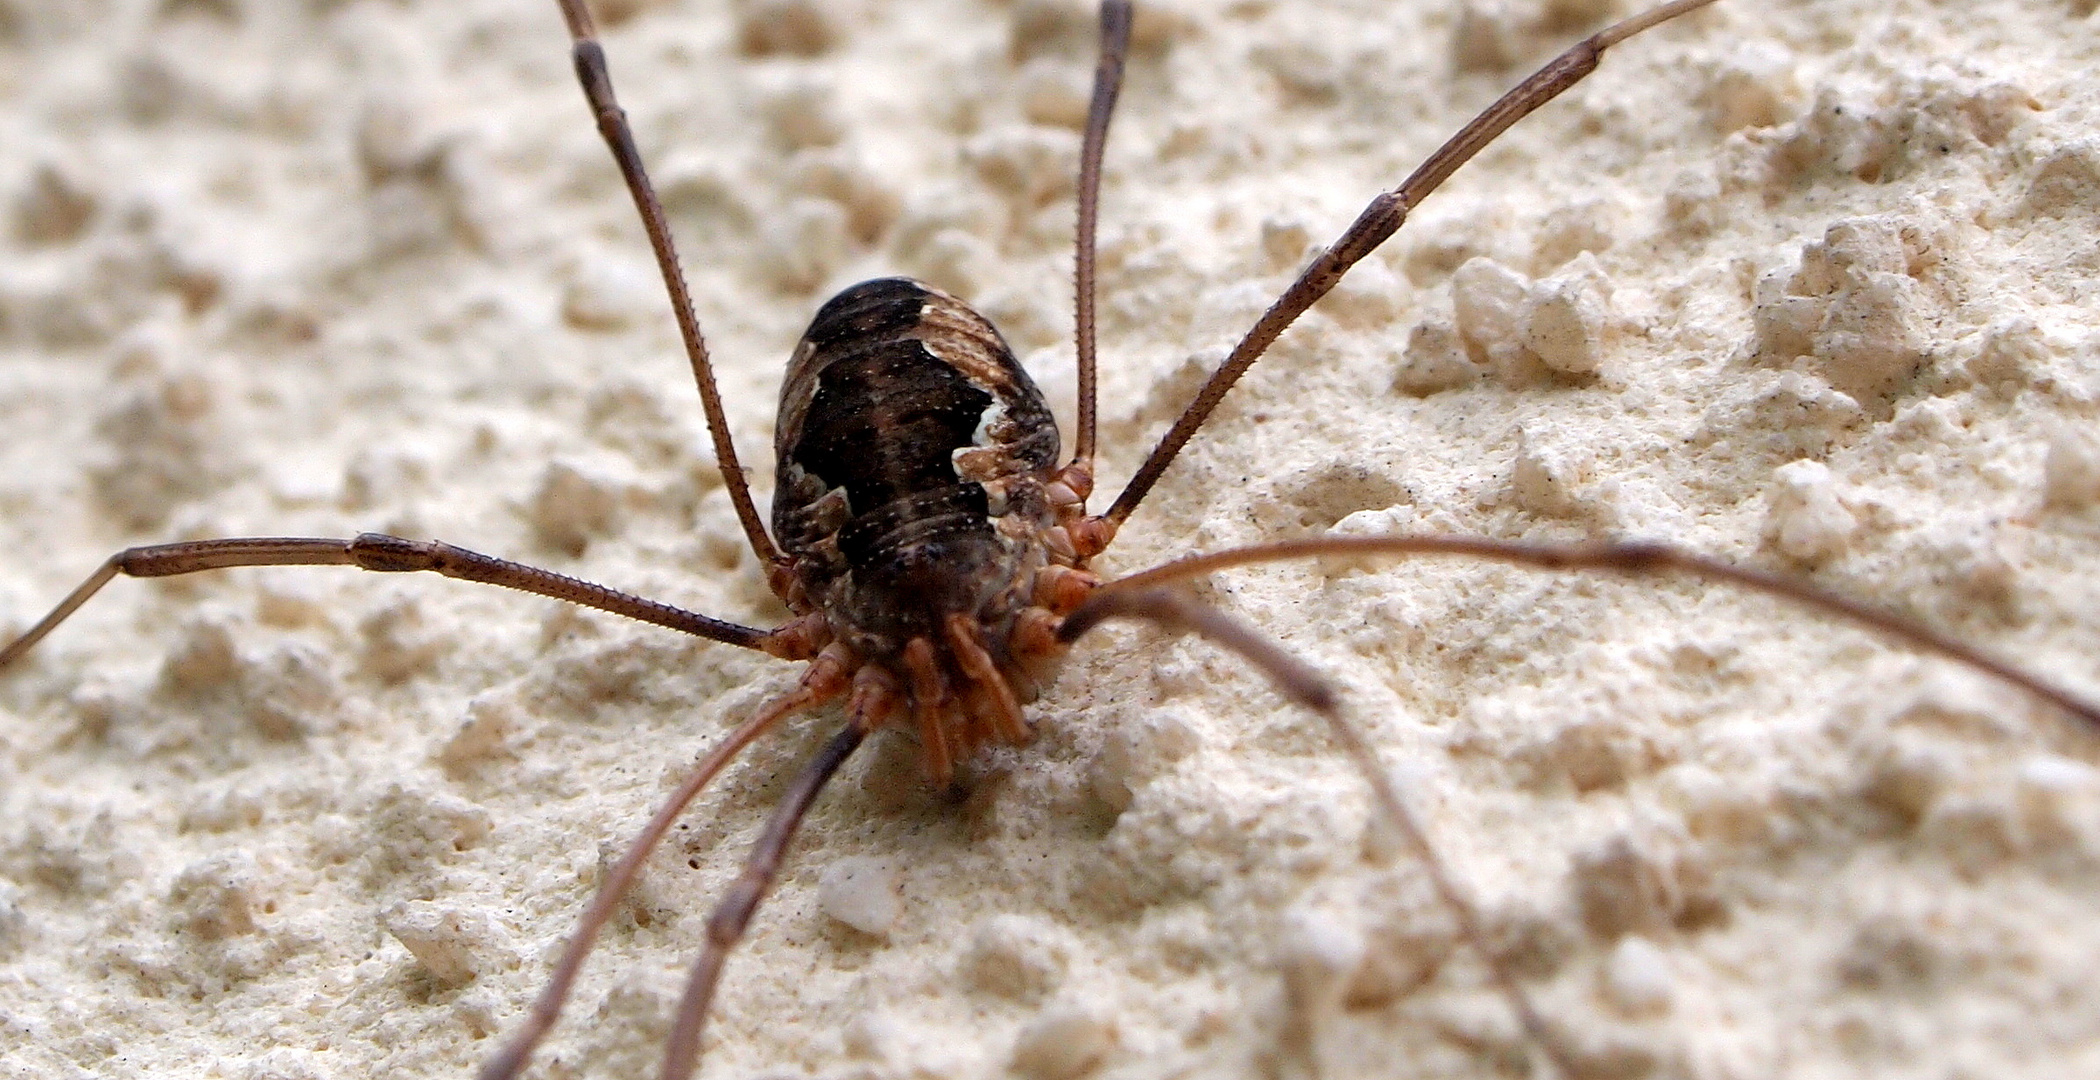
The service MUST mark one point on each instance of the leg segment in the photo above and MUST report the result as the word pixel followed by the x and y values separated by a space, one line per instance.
pixel 384 554
pixel 1634 557
pixel 612 124
pixel 1150 595
pixel 825 679
pixel 1108 81
pixel 1169 608
pixel 1378 222
pixel 725 927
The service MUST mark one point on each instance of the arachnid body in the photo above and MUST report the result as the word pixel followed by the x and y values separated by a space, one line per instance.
pixel 335 821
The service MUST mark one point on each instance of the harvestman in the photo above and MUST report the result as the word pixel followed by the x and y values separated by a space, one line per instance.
pixel 934 552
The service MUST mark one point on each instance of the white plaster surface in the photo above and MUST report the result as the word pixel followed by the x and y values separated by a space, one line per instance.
pixel 1808 284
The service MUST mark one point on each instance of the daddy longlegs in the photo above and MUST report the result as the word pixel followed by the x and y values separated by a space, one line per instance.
pixel 406 925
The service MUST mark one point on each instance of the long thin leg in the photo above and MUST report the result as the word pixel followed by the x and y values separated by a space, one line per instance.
pixel 1374 226
pixel 725 926
pixel 1636 557
pixel 612 124
pixel 823 681
pixel 385 554
pixel 1168 607
pixel 1150 595
pixel 1108 81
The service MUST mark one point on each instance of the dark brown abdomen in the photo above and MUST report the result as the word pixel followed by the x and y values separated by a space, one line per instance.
pixel 909 440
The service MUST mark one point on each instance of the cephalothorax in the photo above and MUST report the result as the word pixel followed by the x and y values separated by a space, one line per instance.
pixel 932 544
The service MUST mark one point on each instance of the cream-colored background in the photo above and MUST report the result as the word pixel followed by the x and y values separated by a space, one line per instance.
pixel 324 267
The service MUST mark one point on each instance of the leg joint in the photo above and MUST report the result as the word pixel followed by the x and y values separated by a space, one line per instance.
pixel 392 554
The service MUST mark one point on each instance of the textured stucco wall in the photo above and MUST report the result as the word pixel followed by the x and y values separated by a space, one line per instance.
pixel 323 267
